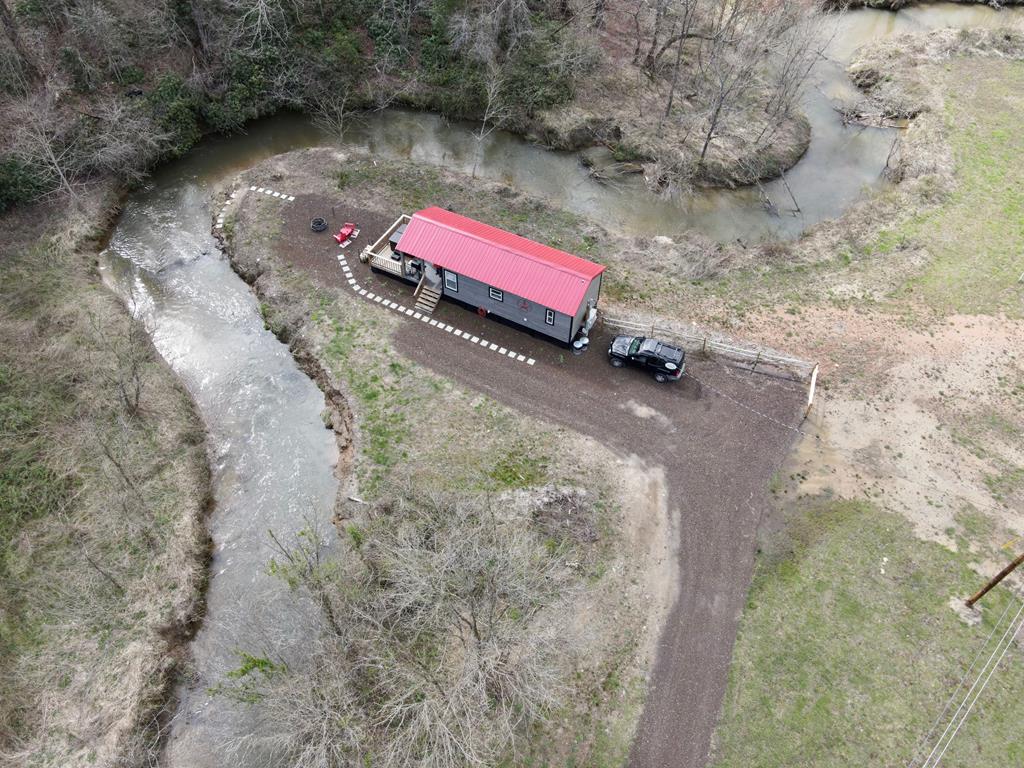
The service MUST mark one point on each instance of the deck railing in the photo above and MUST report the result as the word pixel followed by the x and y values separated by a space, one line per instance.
pixel 381 244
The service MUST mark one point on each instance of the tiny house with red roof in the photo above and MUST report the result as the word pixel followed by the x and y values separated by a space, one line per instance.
pixel 495 272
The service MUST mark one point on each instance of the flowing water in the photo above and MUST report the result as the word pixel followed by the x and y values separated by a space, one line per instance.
pixel 272 457
pixel 273 460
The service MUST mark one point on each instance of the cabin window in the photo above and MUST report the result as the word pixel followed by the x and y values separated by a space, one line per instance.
pixel 549 316
pixel 451 281
pixel 496 294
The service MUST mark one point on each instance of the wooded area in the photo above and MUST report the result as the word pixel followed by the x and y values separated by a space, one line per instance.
pixel 95 88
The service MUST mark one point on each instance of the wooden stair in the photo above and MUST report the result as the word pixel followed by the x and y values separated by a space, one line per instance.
pixel 427 298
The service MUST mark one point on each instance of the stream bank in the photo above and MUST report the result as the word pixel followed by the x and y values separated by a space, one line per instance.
pixel 415 427
pixel 104 545
pixel 263 144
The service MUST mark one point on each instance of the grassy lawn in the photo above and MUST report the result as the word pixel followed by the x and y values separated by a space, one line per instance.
pixel 848 650
pixel 976 238
pixel 101 537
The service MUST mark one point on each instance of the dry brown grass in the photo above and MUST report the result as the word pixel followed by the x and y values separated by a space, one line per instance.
pixel 103 548
pixel 531 464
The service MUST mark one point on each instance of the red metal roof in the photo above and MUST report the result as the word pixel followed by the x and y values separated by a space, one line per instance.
pixel 539 273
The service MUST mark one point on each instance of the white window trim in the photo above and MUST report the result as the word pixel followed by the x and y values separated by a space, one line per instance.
pixel 453 284
pixel 495 293
pixel 549 316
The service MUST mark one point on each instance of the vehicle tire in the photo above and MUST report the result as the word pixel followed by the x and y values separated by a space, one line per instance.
pixel 616 362
pixel 661 378
pixel 319 224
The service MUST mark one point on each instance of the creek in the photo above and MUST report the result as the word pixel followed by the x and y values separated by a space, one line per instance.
pixel 273 460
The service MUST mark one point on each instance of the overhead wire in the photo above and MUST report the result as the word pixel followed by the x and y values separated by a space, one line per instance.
pixel 986 671
pixel 926 739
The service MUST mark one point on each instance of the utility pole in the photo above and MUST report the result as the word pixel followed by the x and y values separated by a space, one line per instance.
pixel 998 577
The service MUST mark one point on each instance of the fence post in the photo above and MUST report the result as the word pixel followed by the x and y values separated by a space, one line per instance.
pixel 704 348
pixel 758 360
pixel 810 390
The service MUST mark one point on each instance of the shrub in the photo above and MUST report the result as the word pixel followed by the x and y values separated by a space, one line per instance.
pixel 19 183
pixel 131 75
pixel 83 74
pixel 248 95
pixel 174 108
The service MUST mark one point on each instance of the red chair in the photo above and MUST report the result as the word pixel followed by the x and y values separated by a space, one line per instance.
pixel 345 232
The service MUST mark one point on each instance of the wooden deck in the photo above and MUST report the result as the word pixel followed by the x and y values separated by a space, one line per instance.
pixel 385 263
pixel 379 254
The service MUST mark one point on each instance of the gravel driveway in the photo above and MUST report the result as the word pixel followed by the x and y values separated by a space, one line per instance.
pixel 718 457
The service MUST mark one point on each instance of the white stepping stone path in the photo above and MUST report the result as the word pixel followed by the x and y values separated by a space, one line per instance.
pixel 370 296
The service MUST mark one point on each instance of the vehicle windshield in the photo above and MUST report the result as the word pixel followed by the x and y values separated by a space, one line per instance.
pixel 634 346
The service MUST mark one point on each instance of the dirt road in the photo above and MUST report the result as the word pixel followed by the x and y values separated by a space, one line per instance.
pixel 718 458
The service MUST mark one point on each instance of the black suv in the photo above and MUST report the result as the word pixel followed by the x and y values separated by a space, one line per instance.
pixel 663 360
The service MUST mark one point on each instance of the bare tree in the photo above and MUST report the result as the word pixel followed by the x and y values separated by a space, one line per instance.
pixel 12 33
pixel 123 140
pixel 491 31
pixel 46 140
pixel 496 111
pixel 97 32
pixel 737 45
pixel 795 52
pixel 445 638
pixel 682 32
pixel 258 23
pixel 129 347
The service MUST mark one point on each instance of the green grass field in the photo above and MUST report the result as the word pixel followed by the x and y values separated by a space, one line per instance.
pixel 848 651
pixel 976 238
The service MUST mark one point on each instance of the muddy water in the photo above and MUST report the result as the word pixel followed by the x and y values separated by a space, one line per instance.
pixel 273 460
pixel 272 457
pixel 842 164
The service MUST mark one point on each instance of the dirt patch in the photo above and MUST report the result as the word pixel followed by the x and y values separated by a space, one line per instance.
pixel 914 433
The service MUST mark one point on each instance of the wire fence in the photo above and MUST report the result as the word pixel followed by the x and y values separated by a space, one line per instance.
pixel 751 357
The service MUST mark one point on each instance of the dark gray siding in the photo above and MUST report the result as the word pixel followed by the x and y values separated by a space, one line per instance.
pixel 476 294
